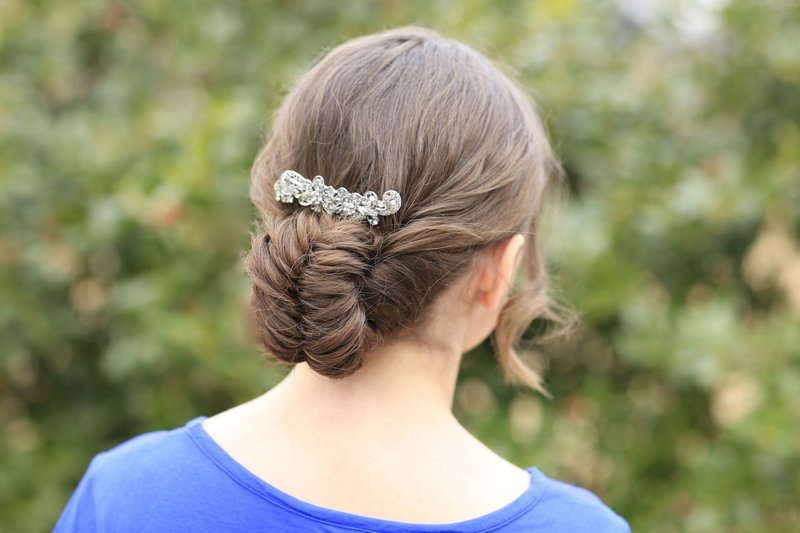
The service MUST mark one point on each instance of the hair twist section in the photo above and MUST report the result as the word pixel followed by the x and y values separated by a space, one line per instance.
pixel 308 272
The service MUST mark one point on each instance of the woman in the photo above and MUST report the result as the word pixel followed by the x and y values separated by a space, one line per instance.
pixel 371 281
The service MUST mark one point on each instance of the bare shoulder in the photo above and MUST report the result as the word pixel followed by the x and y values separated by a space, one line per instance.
pixel 486 472
pixel 243 429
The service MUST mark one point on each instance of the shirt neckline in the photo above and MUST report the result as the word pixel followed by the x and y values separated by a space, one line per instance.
pixel 487 522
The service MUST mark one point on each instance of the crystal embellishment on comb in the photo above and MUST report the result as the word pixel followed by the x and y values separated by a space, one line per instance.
pixel 314 193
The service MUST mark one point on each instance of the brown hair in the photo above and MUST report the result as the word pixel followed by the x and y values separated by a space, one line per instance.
pixel 433 119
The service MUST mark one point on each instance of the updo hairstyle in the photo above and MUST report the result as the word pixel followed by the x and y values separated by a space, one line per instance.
pixel 435 120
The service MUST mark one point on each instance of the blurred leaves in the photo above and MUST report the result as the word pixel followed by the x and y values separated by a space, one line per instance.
pixel 128 131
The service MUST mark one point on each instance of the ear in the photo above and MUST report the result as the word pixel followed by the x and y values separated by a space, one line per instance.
pixel 498 270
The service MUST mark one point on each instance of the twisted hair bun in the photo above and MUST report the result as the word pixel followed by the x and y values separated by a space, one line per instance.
pixel 308 273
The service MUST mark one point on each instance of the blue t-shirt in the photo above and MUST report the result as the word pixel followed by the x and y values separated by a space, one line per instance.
pixel 182 480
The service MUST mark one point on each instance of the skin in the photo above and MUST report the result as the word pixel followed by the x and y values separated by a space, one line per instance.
pixel 384 442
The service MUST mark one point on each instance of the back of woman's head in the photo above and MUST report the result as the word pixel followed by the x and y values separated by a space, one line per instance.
pixel 428 117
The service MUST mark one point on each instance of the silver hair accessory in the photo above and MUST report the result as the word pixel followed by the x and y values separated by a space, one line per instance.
pixel 339 201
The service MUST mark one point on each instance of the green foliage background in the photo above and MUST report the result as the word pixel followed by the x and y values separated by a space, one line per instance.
pixel 127 133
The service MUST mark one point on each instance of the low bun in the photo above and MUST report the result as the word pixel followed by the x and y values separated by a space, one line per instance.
pixel 307 271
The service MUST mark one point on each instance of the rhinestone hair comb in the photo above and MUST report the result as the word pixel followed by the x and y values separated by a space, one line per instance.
pixel 291 185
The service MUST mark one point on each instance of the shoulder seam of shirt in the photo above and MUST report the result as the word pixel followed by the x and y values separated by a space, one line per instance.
pixel 299 512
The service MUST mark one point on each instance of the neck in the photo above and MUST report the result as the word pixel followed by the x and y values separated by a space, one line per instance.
pixel 401 382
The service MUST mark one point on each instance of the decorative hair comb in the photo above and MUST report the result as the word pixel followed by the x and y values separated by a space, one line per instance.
pixel 339 201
